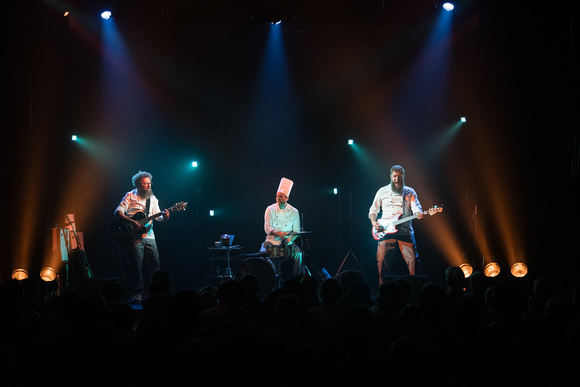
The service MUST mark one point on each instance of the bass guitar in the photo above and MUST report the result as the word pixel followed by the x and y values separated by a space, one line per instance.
pixel 388 225
pixel 125 233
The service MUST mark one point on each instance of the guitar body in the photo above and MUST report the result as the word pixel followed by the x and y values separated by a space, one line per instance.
pixel 388 227
pixel 125 233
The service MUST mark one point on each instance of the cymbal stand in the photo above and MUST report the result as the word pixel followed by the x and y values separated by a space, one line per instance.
pixel 303 269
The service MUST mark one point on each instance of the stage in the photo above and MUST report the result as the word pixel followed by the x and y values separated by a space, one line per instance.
pixel 473 103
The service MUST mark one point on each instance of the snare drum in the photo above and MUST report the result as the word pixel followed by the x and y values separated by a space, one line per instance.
pixel 279 251
pixel 263 269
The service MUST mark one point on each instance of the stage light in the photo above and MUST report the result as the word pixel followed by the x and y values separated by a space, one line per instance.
pixel 74 137
pixel 519 269
pixel 211 213
pixel 47 274
pixel 467 269
pixel 350 142
pixel 463 119
pixel 448 6
pixel 66 14
pixel 194 164
pixel 19 274
pixel 335 191
pixel 492 269
pixel 106 15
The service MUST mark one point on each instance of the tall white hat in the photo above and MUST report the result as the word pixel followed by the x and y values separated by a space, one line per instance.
pixel 285 186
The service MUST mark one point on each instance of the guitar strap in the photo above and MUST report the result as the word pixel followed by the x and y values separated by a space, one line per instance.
pixel 147 205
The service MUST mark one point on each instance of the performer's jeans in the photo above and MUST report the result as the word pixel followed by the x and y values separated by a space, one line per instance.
pixel 144 264
pixel 389 254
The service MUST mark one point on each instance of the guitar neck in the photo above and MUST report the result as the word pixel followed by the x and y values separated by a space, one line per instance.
pixel 396 222
pixel 147 219
pixel 177 207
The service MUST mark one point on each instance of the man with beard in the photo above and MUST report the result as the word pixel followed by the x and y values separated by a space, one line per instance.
pixel 396 201
pixel 281 223
pixel 143 254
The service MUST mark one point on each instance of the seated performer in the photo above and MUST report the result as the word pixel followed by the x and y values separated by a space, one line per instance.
pixel 281 220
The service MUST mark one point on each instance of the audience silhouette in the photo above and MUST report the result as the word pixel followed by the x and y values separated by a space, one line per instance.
pixel 478 331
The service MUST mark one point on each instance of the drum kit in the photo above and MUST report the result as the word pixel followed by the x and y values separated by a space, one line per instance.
pixel 266 265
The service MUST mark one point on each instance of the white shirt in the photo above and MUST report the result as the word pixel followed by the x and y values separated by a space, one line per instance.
pixel 278 219
pixel 391 204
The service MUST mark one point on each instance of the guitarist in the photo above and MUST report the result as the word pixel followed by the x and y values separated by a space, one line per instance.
pixel 394 201
pixel 143 254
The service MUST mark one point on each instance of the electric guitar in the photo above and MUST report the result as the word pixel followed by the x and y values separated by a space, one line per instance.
pixel 125 233
pixel 388 224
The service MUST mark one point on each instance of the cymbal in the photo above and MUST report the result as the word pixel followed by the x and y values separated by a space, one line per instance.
pixel 301 233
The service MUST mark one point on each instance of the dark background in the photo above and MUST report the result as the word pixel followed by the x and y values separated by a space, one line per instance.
pixel 252 102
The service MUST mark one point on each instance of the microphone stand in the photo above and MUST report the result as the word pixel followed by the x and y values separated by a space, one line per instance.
pixel 83 267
